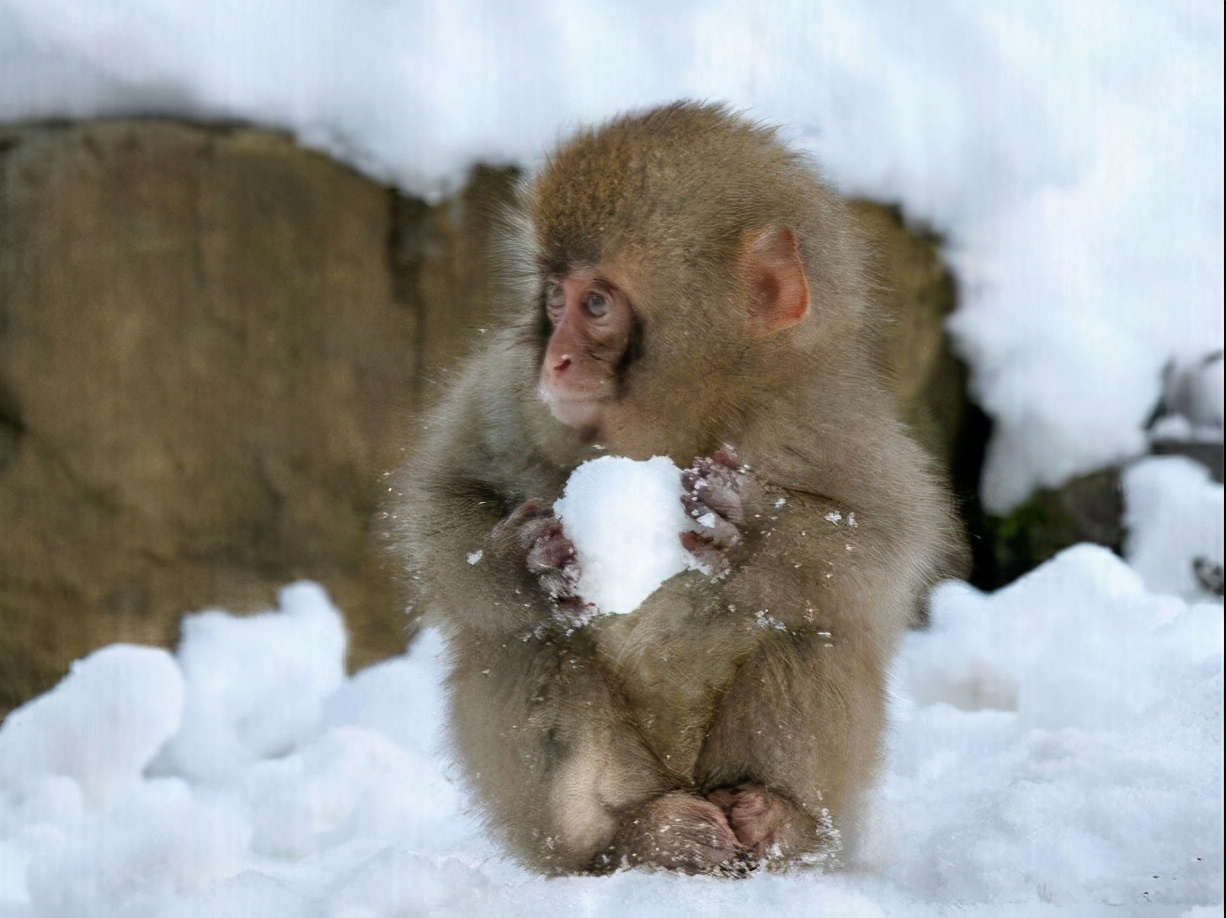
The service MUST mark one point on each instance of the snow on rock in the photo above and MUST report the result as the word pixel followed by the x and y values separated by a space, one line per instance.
pixel 1069 153
pixel 625 519
pixel 1173 516
pixel 255 685
pixel 1192 389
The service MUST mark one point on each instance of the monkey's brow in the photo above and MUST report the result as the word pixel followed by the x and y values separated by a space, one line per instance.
pixel 551 265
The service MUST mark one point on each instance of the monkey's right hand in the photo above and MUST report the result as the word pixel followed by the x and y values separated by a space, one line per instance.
pixel 549 555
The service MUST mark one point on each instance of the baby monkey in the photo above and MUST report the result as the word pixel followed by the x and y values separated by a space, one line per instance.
pixel 681 285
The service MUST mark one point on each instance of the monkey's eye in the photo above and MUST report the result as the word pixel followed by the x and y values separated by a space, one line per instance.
pixel 555 301
pixel 597 304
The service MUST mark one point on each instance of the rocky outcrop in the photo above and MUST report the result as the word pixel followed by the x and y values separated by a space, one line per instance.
pixel 212 346
pixel 203 370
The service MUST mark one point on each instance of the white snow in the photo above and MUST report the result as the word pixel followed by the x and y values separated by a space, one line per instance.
pixel 624 519
pixel 254 685
pixel 1071 151
pixel 1174 516
pixel 1056 746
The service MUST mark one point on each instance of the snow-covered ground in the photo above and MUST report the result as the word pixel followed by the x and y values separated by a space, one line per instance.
pixel 1056 745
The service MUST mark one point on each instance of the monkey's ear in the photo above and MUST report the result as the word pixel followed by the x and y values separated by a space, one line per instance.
pixel 778 288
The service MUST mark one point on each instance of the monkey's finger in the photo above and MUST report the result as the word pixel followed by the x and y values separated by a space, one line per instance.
pixel 694 505
pixel 723 495
pixel 559 587
pixel 714 514
pixel 551 550
pixel 717 533
pixel 722 534
pixel 528 510
pixel 694 479
pixel 521 519
pixel 711 560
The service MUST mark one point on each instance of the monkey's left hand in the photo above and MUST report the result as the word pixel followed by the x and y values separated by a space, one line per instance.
pixel 714 497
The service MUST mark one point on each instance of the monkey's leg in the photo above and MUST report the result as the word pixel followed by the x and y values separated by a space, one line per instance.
pixel 563 772
pixel 795 745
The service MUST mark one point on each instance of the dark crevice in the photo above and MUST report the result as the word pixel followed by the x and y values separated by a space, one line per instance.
pixel 966 475
pixel 12 427
pixel 408 242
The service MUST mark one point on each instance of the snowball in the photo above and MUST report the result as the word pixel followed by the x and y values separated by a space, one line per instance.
pixel 100 726
pixel 1173 516
pixel 625 519
pixel 255 684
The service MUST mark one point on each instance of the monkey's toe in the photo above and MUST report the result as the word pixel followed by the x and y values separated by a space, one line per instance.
pixel 761 819
pixel 679 831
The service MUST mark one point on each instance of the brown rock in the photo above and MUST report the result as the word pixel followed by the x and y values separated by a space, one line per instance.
pixel 918 292
pixel 445 263
pixel 202 365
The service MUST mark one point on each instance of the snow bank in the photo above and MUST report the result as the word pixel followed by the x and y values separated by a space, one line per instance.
pixel 1071 152
pixel 1059 740
pixel 100 728
pixel 254 686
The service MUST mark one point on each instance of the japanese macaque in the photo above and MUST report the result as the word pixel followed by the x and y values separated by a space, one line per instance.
pixel 681 285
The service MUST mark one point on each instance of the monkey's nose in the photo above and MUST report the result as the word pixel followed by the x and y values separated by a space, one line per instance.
pixel 562 364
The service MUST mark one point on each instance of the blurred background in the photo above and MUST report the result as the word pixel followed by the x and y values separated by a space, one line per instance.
pixel 242 243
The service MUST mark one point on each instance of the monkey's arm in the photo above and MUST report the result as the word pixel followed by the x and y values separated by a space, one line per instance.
pixel 465 548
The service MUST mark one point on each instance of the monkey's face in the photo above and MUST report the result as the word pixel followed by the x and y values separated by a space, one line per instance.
pixel 644 387
pixel 591 326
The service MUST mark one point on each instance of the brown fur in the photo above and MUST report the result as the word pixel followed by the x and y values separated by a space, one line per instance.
pixel 728 718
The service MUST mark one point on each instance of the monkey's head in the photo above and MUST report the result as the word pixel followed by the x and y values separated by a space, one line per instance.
pixel 684 262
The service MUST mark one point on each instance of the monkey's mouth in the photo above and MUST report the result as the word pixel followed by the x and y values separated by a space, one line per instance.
pixel 578 412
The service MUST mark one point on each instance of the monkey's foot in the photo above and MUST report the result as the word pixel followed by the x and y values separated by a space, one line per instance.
pixel 763 821
pixel 679 831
